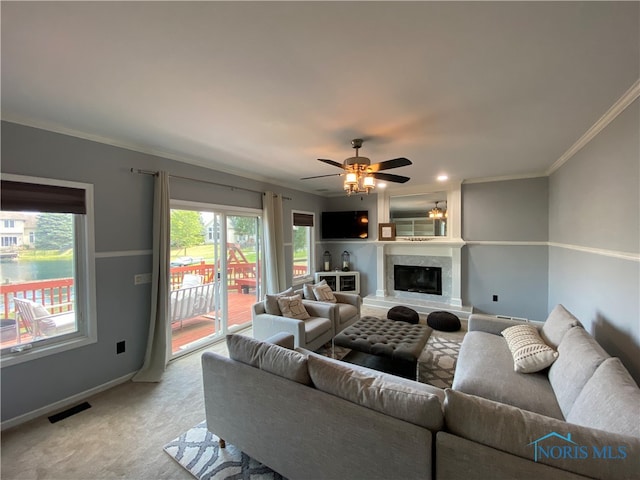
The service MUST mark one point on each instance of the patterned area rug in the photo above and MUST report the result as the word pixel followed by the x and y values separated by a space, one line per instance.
pixel 198 451
pixel 437 363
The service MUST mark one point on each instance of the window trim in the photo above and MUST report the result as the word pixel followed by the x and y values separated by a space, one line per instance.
pixel 85 279
pixel 312 246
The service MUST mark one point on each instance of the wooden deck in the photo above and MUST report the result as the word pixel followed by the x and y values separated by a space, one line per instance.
pixel 196 328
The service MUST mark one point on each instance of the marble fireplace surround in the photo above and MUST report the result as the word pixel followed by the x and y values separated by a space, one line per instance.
pixel 443 253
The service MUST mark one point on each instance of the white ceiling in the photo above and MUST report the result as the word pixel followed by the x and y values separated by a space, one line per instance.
pixel 473 90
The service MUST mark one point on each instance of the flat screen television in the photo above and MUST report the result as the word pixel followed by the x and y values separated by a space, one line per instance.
pixel 351 224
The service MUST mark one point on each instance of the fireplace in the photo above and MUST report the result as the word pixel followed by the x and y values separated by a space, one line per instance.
pixel 418 279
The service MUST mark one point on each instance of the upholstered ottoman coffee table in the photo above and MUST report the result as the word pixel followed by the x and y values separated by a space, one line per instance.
pixel 387 345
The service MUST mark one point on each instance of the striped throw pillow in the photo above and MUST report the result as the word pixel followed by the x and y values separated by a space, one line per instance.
pixel 530 353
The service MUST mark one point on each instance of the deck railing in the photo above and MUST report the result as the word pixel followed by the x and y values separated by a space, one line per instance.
pixel 60 290
pixel 55 294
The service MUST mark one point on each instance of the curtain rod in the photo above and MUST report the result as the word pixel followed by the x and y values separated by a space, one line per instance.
pixel 151 172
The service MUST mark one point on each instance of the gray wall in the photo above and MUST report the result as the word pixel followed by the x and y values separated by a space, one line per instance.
pixel 362 252
pixel 123 212
pixel 594 204
pixel 503 221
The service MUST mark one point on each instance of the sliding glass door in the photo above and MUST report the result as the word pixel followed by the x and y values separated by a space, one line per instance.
pixel 215 272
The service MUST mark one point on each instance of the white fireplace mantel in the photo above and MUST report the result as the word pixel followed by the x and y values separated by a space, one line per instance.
pixel 446 247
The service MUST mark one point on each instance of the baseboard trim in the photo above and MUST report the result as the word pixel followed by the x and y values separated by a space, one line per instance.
pixel 67 402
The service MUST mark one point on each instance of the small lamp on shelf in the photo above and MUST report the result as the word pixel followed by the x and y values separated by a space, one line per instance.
pixel 345 261
pixel 326 257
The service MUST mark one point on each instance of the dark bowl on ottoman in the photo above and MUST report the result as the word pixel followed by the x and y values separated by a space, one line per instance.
pixel 444 321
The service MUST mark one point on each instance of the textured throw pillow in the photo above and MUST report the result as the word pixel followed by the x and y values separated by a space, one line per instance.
pixel 271 302
pixel 307 289
pixel 324 293
pixel 292 307
pixel 530 353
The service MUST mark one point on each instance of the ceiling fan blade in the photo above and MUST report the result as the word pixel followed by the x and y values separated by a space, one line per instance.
pixel 388 177
pixel 331 162
pixel 387 164
pixel 320 176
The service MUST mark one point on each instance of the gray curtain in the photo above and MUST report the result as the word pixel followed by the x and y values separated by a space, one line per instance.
pixel 273 242
pixel 159 340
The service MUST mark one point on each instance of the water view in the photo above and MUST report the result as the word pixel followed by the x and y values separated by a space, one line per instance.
pixel 31 270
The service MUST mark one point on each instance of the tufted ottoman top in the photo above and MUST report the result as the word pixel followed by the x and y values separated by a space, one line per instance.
pixel 384 337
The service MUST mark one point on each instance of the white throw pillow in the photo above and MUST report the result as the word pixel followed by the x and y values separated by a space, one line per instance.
pixel 530 353
pixel 324 293
pixel 292 307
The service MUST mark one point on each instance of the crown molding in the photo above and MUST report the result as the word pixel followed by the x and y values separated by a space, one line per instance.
pixel 505 178
pixel 615 110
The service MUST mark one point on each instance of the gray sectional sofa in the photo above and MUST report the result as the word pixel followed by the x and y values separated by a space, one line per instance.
pixel 309 417
pixel 579 418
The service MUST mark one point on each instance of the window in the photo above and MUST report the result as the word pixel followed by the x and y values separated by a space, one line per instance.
pixel 9 241
pixel 47 296
pixel 302 246
pixel 9 224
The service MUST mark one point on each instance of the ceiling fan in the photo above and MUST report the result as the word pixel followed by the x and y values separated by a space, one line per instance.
pixel 360 174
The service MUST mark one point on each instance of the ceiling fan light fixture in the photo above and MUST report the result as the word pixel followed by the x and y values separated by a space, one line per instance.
pixel 369 182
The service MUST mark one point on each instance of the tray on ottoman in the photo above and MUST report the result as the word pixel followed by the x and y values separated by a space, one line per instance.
pixel 387 345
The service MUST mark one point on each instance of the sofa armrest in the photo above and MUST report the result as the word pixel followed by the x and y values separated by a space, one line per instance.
pixel 319 309
pixel 266 325
pixel 539 438
pixel 491 323
pixel 349 298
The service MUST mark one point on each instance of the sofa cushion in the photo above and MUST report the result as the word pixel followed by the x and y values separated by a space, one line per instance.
pixel 609 401
pixel 579 356
pixel 530 353
pixel 269 357
pixel 413 403
pixel 559 321
pixel 514 431
pixel 271 301
pixel 324 293
pixel 485 368
pixel 292 307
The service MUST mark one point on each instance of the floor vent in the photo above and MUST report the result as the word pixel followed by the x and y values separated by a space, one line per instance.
pixel 70 411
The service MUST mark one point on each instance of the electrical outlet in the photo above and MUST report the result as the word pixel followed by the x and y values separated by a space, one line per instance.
pixel 495 298
pixel 141 278
pixel 120 347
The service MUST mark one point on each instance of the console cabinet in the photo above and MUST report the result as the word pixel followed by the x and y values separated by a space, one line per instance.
pixel 348 282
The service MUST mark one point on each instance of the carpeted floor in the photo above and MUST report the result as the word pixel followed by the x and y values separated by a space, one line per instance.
pixel 123 433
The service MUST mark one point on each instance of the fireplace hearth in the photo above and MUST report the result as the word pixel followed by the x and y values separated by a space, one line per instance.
pixel 417 279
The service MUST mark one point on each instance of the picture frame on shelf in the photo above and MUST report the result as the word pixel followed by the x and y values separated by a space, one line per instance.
pixel 386 231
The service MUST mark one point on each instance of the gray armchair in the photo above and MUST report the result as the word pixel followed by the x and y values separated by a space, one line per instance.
pixel 347 311
pixel 311 333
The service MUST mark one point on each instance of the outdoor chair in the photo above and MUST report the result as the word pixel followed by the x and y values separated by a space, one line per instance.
pixel 40 322
pixel 192 299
